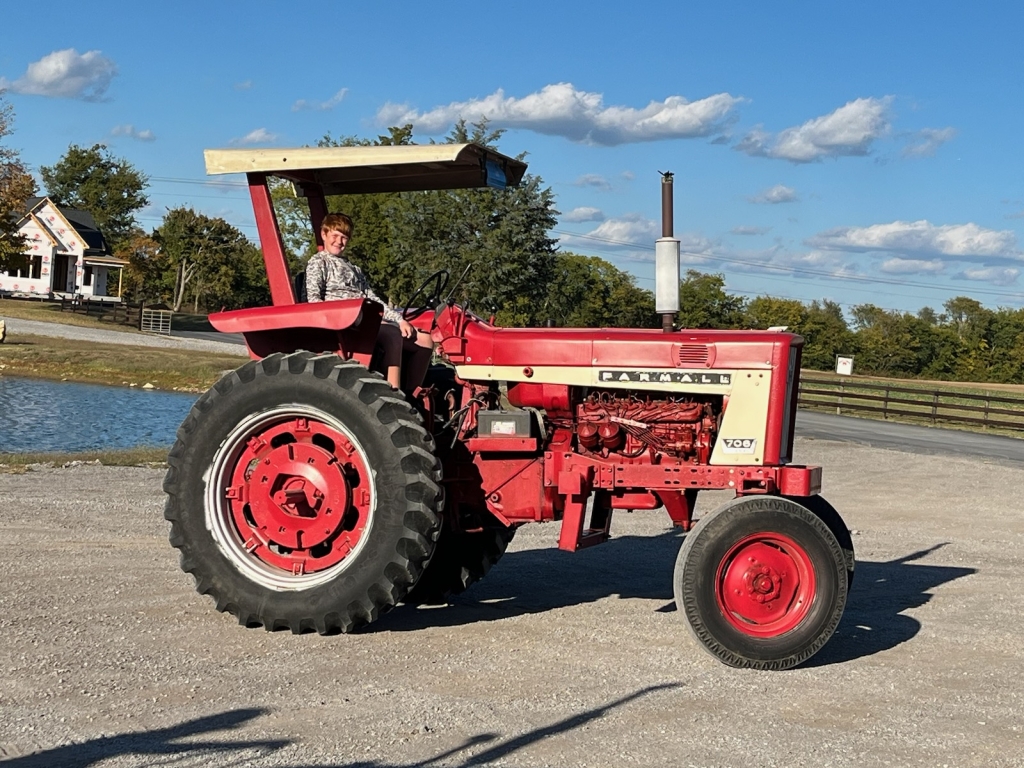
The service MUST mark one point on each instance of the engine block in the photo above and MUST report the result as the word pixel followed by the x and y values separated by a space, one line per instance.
pixel 614 423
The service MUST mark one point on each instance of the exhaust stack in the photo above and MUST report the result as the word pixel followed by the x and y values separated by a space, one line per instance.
pixel 666 261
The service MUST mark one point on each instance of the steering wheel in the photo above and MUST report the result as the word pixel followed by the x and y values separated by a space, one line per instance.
pixel 436 284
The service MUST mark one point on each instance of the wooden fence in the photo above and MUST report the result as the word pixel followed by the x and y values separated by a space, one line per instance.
pixel 106 311
pixel 845 395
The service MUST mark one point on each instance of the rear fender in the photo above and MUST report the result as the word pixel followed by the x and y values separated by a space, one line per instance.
pixel 347 328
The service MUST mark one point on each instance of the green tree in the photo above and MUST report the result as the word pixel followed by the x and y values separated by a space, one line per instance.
pixel 16 186
pixel 826 335
pixel 768 312
pixel 886 341
pixel 208 261
pixel 93 180
pixel 703 302
pixel 588 292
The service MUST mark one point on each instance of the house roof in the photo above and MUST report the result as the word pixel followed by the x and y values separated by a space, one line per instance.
pixel 81 221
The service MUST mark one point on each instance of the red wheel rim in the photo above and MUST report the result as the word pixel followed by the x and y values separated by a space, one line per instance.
pixel 296 496
pixel 765 585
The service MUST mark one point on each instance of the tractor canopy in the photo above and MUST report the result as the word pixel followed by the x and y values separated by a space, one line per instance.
pixel 362 170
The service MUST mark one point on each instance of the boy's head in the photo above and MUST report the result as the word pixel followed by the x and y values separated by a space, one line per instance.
pixel 335 232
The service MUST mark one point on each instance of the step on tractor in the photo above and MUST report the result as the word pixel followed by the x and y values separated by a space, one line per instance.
pixel 305 493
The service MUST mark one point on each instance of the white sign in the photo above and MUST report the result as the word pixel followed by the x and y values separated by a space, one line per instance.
pixel 844 365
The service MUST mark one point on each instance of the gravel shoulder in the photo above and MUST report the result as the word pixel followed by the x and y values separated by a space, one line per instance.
pixel 110 658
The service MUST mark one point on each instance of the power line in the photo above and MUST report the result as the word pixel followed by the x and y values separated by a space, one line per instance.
pixel 795 270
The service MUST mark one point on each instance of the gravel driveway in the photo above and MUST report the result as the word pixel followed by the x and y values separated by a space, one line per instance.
pixel 100 335
pixel 110 658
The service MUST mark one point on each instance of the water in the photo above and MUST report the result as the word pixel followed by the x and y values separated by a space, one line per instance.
pixel 39 416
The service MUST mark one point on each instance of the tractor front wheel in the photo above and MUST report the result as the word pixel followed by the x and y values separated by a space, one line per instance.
pixel 761 582
pixel 303 494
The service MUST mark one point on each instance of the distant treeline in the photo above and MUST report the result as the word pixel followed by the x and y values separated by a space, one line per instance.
pixel 966 342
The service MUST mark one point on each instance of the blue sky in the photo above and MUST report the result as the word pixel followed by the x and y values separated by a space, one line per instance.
pixel 864 153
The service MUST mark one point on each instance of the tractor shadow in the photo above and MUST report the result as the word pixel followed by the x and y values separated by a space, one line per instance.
pixel 161 744
pixel 874 620
pixel 539 580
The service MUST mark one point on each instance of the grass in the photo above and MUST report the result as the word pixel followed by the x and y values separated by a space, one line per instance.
pixel 17 463
pixel 60 359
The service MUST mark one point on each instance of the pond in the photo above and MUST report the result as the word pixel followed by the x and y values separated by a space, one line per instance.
pixel 42 416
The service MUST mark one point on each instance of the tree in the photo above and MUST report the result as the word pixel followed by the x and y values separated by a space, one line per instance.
pixel 826 335
pixel 588 292
pixel 703 302
pixel 16 186
pixel 208 260
pixel 768 312
pixel 109 188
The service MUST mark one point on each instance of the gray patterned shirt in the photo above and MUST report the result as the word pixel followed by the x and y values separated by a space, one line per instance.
pixel 329 278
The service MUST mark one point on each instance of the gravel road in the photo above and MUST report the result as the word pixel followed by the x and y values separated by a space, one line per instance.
pixel 110 658
pixel 100 335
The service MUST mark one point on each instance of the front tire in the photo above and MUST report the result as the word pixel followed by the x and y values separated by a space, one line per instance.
pixel 303 494
pixel 761 582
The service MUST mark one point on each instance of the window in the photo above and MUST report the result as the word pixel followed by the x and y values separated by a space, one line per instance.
pixel 35 267
pixel 87 276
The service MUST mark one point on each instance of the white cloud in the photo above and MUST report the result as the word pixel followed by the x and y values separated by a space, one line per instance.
pixel 750 230
pixel 849 130
pixel 994 275
pixel 561 110
pixel 258 136
pixel 780 193
pixel 899 266
pixel 830 264
pixel 66 74
pixel 586 213
pixel 632 237
pixel 593 180
pixel 630 229
pixel 245 85
pixel 927 140
pixel 321 106
pixel 130 131
pixel 922 237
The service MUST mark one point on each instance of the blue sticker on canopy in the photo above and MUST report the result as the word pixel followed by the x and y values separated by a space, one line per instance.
pixel 495 175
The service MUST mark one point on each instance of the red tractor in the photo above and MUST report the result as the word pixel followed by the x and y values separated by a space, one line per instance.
pixel 305 493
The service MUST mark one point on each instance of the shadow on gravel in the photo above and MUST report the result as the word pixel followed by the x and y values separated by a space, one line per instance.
pixel 538 580
pixel 508 746
pixel 874 619
pixel 157 743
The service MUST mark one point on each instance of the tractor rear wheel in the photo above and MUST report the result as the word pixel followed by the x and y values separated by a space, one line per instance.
pixel 761 582
pixel 460 560
pixel 303 493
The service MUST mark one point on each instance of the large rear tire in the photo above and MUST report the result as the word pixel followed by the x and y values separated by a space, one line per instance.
pixel 460 560
pixel 303 494
pixel 761 582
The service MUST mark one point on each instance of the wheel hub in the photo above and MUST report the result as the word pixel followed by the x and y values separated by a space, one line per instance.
pixel 298 495
pixel 765 584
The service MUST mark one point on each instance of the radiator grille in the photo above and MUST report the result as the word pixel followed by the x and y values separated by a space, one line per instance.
pixel 693 354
